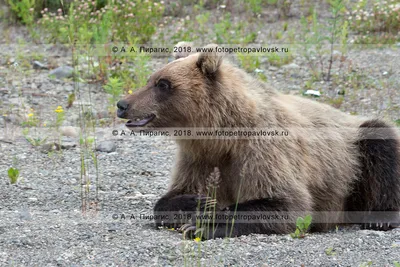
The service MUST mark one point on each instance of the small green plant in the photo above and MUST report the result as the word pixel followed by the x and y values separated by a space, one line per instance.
pixel 222 29
pixel 309 84
pixel 302 226
pixel 212 184
pixel 312 41
pixel 261 76
pixel 71 99
pixel 330 252
pixel 114 88
pixel 366 264
pixel 285 26
pixel 254 6
pixel 23 9
pixel 249 62
pixel 207 225
pixel 316 36
pixel 279 59
pixel 278 35
pixel 336 102
pixel 397 122
pixel 142 71
pixel 138 18
pixel 60 116
pixel 335 29
pixel 87 142
pixel 396 264
pixel 13 174
pixel 291 36
pixel 32 120
pixel 88 22
pixel 128 77
pixel 183 31
pixel 202 20
pixel 34 141
pixel 227 32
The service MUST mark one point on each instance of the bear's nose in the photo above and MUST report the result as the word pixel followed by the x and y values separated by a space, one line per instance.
pixel 122 108
pixel 122 105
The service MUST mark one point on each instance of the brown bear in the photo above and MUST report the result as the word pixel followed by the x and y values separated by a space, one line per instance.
pixel 329 163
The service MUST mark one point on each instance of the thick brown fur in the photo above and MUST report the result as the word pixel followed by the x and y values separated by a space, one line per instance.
pixel 299 173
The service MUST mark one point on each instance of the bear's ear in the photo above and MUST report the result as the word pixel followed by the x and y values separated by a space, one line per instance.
pixel 209 60
pixel 182 49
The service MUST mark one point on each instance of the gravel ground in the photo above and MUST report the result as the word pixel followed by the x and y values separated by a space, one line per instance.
pixel 42 224
pixel 41 217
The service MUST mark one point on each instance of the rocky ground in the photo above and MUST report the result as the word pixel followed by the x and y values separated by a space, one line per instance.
pixel 42 223
pixel 41 218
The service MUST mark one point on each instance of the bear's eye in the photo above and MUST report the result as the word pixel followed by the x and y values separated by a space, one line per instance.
pixel 163 85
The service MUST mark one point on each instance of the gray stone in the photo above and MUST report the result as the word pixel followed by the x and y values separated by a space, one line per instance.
pixel 4 91
pixel 74 119
pixel 296 75
pixel 291 66
pixel 106 146
pixel 38 65
pixel 372 233
pixel 62 72
pixel 69 88
pixel 13 118
pixel 69 131
pixel 83 103
pixel 24 214
pixel 270 15
pixel 68 145
pixel 336 53
pixel 294 87
pixel 15 101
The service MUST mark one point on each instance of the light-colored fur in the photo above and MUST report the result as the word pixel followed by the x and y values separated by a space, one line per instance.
pixel 312 168
pixel 314 172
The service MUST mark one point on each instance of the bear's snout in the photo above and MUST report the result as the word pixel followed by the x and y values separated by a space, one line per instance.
pixel 122 109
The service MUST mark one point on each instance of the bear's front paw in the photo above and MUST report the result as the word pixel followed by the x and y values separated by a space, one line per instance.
pixel 181 209
pixel 202 230
pixel 382 226
pixel 386 221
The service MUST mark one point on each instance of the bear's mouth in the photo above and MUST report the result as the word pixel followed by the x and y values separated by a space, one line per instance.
pixel 140 121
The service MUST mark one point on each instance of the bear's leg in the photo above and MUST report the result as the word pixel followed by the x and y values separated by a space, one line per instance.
pixel 276 219
pixel 174 209
pixel 378 188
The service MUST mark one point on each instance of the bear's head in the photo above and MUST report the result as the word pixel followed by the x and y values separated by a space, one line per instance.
pixel 196 90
